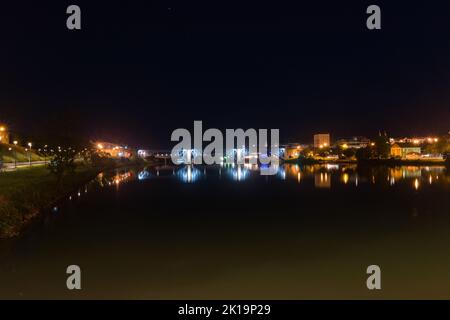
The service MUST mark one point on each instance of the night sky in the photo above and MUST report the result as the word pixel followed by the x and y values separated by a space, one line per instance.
pixel 140 69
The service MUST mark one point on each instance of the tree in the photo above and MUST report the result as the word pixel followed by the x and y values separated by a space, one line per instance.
pixel 382 146
pixel 64 140
pixel 349 153
pixel 443 145
pixel 62 163
pixel 364 153
pixel 306 152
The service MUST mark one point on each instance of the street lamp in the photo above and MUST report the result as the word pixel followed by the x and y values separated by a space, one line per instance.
pixel 15 153
pixel 29 153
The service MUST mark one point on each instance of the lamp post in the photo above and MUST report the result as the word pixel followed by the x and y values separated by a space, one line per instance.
pixel 1 155
pixel 45 154
pixel 10 149
pixel 15 153
pixel 29 153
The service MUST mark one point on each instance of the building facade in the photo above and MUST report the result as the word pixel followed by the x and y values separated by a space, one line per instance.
pixel 4 134
pixel 415 140
pixel 112 150
pixel 405 151
pixel 353 142
pixel 322 140
pixel 290 151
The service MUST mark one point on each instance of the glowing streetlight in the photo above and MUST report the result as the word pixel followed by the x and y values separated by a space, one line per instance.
pixel 15 154
pixel 29 153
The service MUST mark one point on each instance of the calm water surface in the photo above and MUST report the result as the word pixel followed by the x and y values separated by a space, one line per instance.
pixel 228 232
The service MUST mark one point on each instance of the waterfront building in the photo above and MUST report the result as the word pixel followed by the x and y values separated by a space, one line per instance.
pixel 144 153
pixel 353 142
pixel 4 134
pixel 414 140
pixel 405 151
pixel 113 150
pixel 290 151
pixel 322 140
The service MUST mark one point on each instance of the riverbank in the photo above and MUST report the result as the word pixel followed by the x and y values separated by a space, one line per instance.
pixel 402 162
pixel 317 161
pixel 372 162
pixel 10 153
pixel 25 192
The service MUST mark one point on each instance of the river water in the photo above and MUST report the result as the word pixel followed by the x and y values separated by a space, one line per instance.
pixel 227 232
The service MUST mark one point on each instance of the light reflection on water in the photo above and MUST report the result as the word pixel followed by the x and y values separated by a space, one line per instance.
pixel 320 176
pixel 297 225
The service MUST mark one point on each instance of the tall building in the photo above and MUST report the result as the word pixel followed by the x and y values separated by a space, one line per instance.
pixel 322 140
pixel 4 134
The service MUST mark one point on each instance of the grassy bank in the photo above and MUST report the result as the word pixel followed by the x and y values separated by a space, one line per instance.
pixel 24 192
pixel 17 153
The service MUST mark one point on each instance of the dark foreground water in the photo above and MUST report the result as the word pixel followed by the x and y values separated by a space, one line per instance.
pixel 227 232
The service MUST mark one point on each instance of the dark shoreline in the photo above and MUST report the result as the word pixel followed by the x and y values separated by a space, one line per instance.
pixel 17 215
pixel 370 162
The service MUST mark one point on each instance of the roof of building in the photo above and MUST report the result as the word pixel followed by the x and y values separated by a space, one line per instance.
pixel 405 145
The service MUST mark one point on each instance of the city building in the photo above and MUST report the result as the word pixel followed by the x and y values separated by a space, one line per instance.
pixel 353 142
pixel 405 151
pixel 322 140
pixel 414 140
pixel 113 150
pixel 4 134
pixel 290 151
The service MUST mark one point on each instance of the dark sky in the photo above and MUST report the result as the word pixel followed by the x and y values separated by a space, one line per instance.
pixel 140 69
